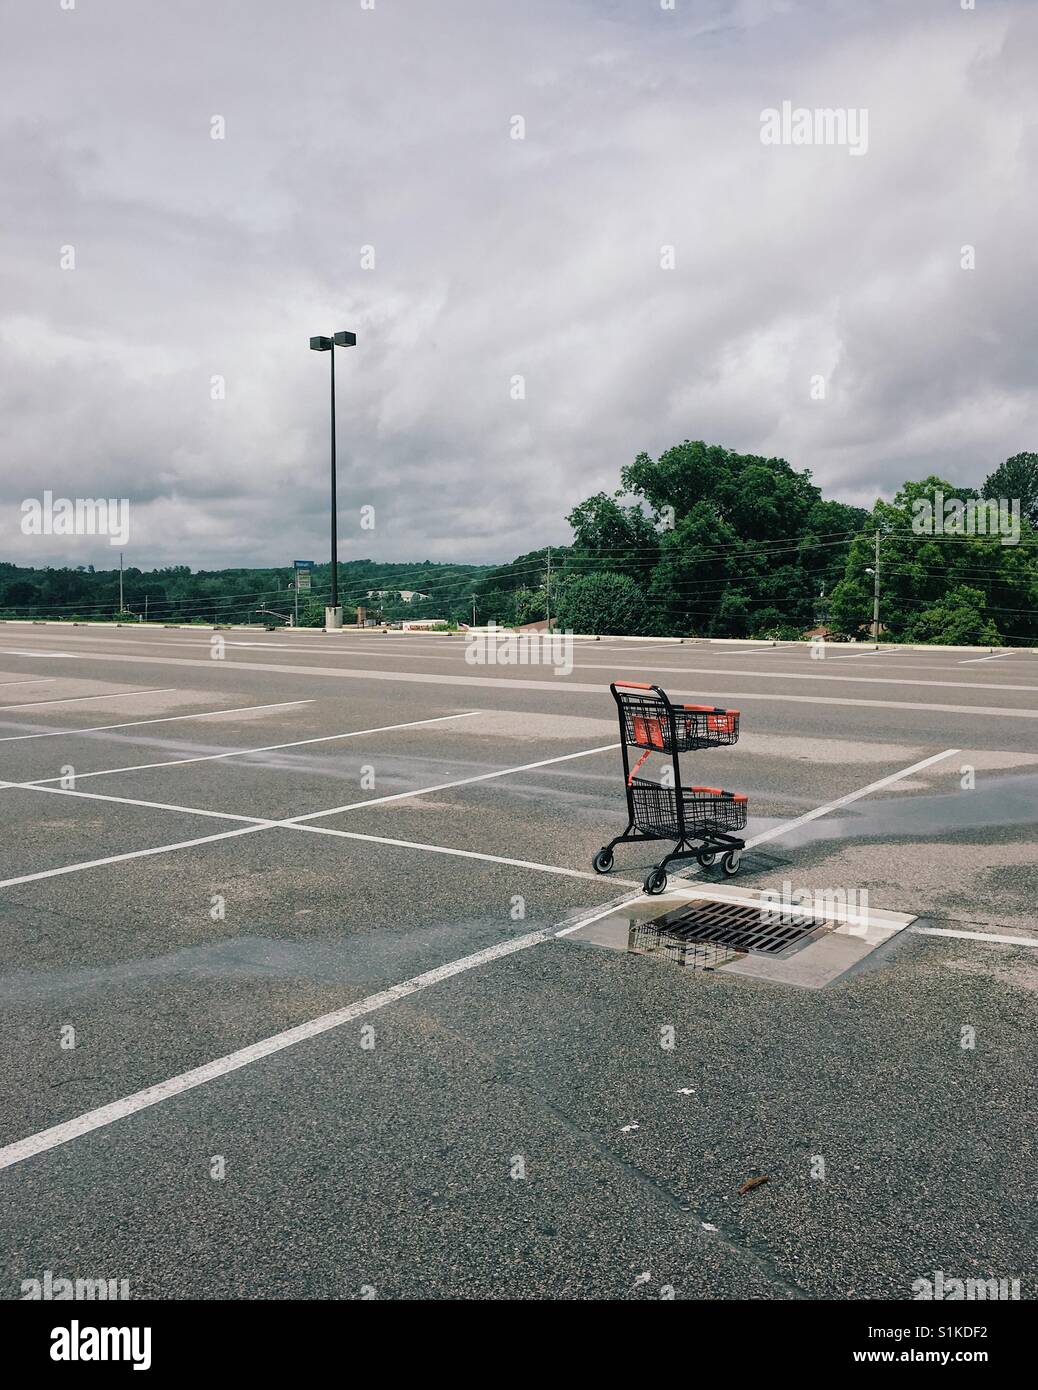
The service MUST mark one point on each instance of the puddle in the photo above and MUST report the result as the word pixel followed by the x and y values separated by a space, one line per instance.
pixel 995 801
pixel 360 960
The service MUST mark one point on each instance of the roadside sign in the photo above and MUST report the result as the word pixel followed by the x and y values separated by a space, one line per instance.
pixel 304 569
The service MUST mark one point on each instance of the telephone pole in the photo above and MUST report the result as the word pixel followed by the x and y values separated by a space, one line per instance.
pixel 120 582
pixel 547 592
pixel 875 595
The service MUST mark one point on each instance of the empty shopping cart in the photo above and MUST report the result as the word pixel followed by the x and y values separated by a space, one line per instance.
pixel 698 820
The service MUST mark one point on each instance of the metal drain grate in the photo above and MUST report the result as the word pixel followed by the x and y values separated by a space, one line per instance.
pixel 737 928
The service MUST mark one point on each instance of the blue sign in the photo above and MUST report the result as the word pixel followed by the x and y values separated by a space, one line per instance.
pixel 303 564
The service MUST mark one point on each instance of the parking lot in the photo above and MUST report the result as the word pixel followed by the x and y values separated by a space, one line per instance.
pixel 287 1011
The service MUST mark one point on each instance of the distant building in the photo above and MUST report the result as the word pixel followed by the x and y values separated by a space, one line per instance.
pixel 408 595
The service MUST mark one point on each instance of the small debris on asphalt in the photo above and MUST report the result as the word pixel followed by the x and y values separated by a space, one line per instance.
pixel 750 1184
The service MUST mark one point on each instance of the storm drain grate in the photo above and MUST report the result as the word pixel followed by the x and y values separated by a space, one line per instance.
pixel 734 928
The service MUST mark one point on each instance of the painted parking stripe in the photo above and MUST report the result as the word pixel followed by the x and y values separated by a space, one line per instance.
pixel 200 1076
pixel 459 853
pixel 970 661
pixel 976 936
pixel 789 825
pixel 563 685
pixel 458 782
pixel 76 699
pixel 165 719
pixel 245 752
pixel 254 822
pixel 37 680
pixel 134 801
pixel 91 1120
pixel 762 651
pixel 132 854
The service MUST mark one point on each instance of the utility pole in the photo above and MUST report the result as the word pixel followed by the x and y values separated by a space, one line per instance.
pixel 875 595
pixel 145 607
pixel 120 582
pixel 473 610
pixel 547 592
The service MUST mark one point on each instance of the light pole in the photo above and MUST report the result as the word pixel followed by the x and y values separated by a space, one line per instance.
pixel 333 612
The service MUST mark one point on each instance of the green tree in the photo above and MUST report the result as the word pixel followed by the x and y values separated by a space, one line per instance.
pixel 603 603
pixel 919 567
pixel 956 620
pixel 608 536
pixel 1017 478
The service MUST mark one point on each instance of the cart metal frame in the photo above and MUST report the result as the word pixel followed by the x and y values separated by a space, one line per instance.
pixel 651 722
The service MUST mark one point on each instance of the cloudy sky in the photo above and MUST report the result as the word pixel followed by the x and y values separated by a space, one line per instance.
pixel 390 124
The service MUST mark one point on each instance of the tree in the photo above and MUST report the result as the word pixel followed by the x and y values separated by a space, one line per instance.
pixel 956 620
pixel 531 606
pixel 697 561
pixel 760 498
pixel 1017 478
pixel 600 604
pixel 612 537
pixel 919 568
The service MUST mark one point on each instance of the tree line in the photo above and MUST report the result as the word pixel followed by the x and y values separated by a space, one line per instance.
pixel 702 541
pixel 175 594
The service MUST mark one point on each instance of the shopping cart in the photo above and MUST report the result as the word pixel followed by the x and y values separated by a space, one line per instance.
pixel 699 820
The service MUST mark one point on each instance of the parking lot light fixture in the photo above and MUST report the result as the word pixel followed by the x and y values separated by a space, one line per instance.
pixel 333 612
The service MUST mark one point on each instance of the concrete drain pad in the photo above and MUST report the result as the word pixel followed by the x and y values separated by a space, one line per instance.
pixel 744 931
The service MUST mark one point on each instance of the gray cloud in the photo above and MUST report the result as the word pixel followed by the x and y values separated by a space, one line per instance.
pixel 496 257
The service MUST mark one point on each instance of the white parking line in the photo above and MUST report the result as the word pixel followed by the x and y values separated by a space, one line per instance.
pixel 788 825
pixel 977 936
pixel 254 822
pixel 133 801
pixel 132 854
pixel 816 676
pixel 445 786
pixel 91 1120
pixel 37 680
pixel 244 752
pixel 566 686
pixel 75 699
pixel 970 661
pixel 176 1085
pixel 165 719
pixel 68 656
pixel 460 853
pixel 763 651
pixel 868 656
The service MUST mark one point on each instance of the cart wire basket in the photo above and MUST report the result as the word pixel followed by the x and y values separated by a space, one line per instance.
pixel 653 723
pixel 700 811
pixel 699 820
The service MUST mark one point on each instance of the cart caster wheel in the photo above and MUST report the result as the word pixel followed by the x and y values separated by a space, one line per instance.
pixel 731 861
pixel 603 861
pixel 656 881
pixel 706 857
